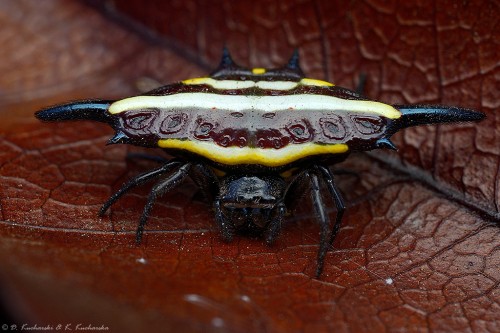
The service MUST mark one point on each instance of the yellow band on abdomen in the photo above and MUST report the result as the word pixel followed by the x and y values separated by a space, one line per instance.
pixel 245 155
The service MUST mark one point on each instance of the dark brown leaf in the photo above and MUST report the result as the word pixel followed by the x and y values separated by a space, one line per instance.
pixel 419 249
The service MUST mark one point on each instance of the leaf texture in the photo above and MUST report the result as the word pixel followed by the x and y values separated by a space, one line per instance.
pixel 419 249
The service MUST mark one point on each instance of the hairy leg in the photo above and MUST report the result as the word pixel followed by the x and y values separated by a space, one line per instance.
pixel 226 226
pixel 337 198
pixel 323 219
pixel 312 179
pixel 138 180
pixel 159 189
pixel 274 227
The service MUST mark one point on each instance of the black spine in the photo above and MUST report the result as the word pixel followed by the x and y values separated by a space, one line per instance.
pixel 414 115
pixel 96 110
pixel 227 66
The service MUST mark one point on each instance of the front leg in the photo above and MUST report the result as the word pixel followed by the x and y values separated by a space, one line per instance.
pixel 337 198
pixel 323 219
pixel 139 180
pixel 159 189
pixel 274 226
pixel 205 179
pixel 312 179
pixel 226 226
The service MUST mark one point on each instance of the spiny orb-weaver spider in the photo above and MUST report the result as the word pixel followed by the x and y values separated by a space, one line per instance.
pixel 252 139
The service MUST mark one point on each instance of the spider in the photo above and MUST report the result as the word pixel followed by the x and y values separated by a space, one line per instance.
pixel 253 139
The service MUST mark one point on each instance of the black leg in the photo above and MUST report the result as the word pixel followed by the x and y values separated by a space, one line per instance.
pixel 159 189
pixel 312 179
pixel 205 179
pixel 136 181
pixel 226 226
pixel 337 198
pixel 297 190
pixel 274 227
pixel 324 221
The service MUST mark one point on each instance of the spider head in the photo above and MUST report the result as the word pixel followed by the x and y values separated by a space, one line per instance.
pixel 251 202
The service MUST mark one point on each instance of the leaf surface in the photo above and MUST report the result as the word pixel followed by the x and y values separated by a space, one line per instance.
pixel 419 248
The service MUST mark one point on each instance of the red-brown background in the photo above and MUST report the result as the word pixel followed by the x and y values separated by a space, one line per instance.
pixel 419 249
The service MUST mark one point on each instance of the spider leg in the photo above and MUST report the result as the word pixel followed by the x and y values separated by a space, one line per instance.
pixel 337 197
pixel 159 189
pixel 136 181
pixel 205 179
pixel 274 227
pixel 312 178
pixel 322 215
pixel 226 227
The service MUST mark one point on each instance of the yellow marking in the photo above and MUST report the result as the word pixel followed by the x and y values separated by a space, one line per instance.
pixel 199 80
pixel 314 82
pixel 268 157
pixel 258 70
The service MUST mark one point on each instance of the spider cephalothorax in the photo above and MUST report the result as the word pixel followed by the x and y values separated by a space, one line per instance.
pixel 252 139
pixel 253 203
